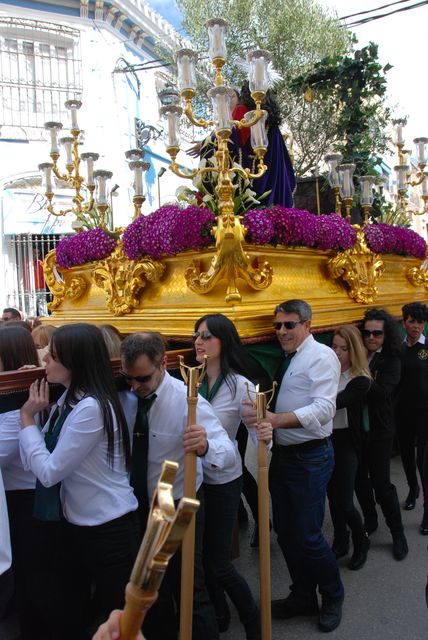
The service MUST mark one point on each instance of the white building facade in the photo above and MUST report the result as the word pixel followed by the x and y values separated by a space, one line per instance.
pixel 51 52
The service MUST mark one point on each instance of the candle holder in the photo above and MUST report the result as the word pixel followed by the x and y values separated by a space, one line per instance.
pixel 366 197
pixel 333 160
pixel 405 178
pixel 91 198
pixel 347 189
pixel 230 261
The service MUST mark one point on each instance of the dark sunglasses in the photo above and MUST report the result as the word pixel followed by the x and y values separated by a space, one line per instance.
pixel 376 333
pixel 203 335
pixel 140 379
pixel 289 324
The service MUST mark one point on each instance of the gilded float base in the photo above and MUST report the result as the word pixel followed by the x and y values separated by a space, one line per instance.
pixel 169 306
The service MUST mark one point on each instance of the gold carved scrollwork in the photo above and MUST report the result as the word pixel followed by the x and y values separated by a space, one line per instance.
pixel 57 285
pixel 123 279
pixel 418 276
pixel 229 263
pixel 360 268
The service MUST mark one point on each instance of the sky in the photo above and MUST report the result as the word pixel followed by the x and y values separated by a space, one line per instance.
pixel 402 43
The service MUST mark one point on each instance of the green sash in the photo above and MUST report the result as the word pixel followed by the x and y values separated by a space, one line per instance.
pixel 203 389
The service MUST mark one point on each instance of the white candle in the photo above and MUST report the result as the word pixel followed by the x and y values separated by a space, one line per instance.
pixel 399 133
pixel 216 35
pixel 425 185
pixel 186 75
pixel 259 71
pixel 74 124
pixel 172 133
pixel 366 189
pixel 222 111
pixel 90 171
pixel 346 184
pixel 138 179
pixel 48 180
pixel 54 140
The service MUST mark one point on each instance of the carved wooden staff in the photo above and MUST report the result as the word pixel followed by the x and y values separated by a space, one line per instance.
pixel 261 405
pixel 192 376
pixel 165 530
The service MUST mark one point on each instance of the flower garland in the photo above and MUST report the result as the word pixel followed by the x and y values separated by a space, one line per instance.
pixel 95 244
pixel 172 229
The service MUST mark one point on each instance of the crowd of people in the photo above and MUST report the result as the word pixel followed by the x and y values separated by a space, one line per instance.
pixel 79 473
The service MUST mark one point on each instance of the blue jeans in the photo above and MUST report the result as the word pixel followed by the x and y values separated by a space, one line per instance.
pixel 298 484
pixel 221 512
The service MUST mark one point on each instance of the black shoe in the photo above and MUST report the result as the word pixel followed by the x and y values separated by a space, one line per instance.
pixel 412 496
pixel 359 556
pixel 370 524
pixel 293 606
pixel 400 548
pixel 423 529
pixel 340 546
pixel 330 614
pixel 223 622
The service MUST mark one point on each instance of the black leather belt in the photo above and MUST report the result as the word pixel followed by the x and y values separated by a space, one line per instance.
pixel 302 446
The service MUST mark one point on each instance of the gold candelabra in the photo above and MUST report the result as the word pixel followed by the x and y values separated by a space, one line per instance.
pixel 230 261
pixel 91 197
pixel 405 178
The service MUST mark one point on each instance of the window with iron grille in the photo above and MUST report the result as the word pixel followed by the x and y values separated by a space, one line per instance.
pixel 40 68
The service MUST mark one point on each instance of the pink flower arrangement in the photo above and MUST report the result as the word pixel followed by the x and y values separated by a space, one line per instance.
pixel 95 244
pixel 385 238
pixel 168 231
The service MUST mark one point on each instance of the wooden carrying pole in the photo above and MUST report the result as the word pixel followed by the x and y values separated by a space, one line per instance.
pixel 164 533
pixel 264 529
pixel 192 377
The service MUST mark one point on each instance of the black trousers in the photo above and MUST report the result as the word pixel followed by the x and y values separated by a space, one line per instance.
pixel 249 487
pixel 374 475
pixel 412 431
pixel 341 487
pixel 162 620
pixel 26 544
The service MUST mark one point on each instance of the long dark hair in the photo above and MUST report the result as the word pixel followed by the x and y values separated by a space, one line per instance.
pixel 16 347
pixel 233 357
pixel 81 349
pixel 269 103
pixel 393 342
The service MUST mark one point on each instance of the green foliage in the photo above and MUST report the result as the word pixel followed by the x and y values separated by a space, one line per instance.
pixel 357 85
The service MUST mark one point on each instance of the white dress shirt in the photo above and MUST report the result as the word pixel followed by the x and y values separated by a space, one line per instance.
pixel 309 390
pixel 14 474
pixel 5 551
pixel 228 408
pixel 167 422
pixel 93 490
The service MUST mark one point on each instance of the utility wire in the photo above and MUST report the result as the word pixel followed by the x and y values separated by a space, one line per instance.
pixel 384 6
pixel 357 23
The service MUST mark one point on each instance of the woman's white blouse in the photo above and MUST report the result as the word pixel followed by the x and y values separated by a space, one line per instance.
pixel 228 408
pixel 93 490
pixel 14 474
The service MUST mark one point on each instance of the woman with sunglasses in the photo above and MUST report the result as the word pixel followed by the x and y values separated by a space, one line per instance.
pixel 81 461
pixel 17 350
pixel 226 388
pixel 384 344
pixel 348 430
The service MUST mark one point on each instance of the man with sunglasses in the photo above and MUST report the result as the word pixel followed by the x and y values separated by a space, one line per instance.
pixel 144 364
pixel 302 464
pixel 384 347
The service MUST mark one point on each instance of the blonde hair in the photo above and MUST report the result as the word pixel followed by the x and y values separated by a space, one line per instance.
pixel 357 352
pixel 42 335
pixel 112 338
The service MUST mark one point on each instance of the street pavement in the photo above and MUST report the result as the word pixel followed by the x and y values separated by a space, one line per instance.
pixel 385 600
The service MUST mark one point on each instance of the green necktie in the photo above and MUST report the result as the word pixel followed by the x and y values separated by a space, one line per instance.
pixel 47 503
pixel 140 451
pixel 280 373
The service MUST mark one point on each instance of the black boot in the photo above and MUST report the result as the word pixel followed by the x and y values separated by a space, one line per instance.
pixel 412 496
pixel 359 556
pixel 340 546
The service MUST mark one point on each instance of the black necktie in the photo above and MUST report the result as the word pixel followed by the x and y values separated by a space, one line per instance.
pixel 280 373
pixel 140 451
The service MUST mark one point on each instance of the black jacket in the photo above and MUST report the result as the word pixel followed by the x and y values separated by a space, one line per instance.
pixel 352 398
pixel 386 372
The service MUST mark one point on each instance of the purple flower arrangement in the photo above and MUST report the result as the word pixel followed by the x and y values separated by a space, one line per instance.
pixel 171 230
pixel 297 227
pixel 385 238
pixel 168 231
pixel 95 244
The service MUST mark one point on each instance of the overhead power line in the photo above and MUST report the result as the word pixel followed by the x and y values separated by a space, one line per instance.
pixel 384 6
pixel 357 23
